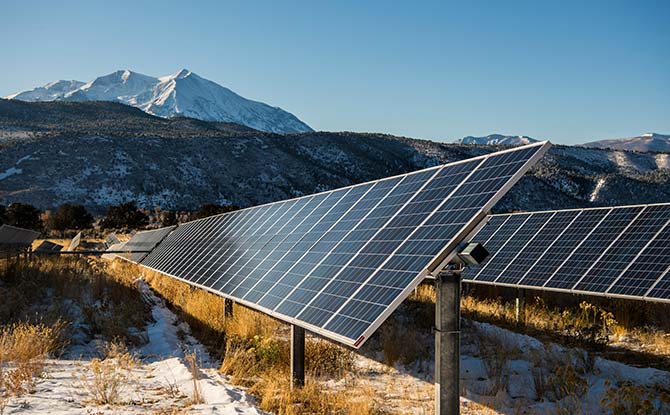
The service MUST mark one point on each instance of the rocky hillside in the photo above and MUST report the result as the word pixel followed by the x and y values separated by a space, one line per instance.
pixel 99 154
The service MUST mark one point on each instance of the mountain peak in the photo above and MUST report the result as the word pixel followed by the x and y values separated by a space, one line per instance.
pixel 166 97
pixel 180 74
pixel 183 73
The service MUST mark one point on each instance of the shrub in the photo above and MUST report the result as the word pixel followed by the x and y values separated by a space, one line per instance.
pixel 210 209
pixel 109 377
pixel 125 215
pixel 24 216
pixel 69 216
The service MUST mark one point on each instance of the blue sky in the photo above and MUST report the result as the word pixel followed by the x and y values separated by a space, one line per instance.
pixel 568 71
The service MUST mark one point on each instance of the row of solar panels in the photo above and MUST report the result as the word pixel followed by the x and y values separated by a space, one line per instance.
pixel 12 238
pixel 339 262
pixel 621 251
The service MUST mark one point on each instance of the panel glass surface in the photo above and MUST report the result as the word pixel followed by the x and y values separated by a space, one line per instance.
pixel 620 251
pixel 338 262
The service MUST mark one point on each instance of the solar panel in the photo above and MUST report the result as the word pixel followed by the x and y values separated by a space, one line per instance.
pixel 142 242
pixel 74 243
pixel 615 251
pixel 339 262
pixel 11 236
pixel 111 239
pixel 48 247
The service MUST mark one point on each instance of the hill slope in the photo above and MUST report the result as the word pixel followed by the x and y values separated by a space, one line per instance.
pixel 183 94
pixel 645 142
pixel 99 154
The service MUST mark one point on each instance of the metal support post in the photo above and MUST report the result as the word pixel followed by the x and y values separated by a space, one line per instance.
pixel 447 342
pixel 297 356
pixel 520 306
pixel 227 308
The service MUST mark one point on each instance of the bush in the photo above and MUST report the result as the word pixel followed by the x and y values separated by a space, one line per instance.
pixel 23 216
pixel 125 215
pixel 210 209
pixel 169 218
pixel 69 216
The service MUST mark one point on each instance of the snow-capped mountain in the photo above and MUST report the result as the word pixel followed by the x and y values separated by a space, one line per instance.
pixel 49 92
pixel 181 94
pixel 644 142
pixel 498 139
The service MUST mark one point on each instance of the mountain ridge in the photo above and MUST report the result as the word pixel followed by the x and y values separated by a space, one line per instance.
pixel 644 143
pixel 498 139
pixel 100 154
pixel 183 93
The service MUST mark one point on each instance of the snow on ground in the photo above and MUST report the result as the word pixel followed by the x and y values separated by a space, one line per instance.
pixel 10 172
pixel 507 378
pixel 504 377
pixel 161 382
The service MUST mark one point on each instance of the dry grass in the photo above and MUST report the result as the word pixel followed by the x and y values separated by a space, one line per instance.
pixel 276 396
pixel 194 368
pixel 108 378
pixel 585 323
pixel 255 354
pixel 45 290
pixel 23 350
pixel 41 297
pixel 201 310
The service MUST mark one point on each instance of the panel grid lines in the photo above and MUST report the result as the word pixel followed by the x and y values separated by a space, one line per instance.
pixel 337 263
pixel 615 252
pixel 352 258
pixel 637 256
pixel 367 281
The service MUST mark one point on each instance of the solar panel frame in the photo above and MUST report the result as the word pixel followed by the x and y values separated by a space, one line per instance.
pixel 663 278
pixel 438 261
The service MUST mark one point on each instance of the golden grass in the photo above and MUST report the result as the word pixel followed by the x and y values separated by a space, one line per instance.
pixel 194 368
pixel 255 354
pixel 43 286
pixel 24 348
pixel 108 379
pixel 593 323
pixel 277 397
pixel 23 342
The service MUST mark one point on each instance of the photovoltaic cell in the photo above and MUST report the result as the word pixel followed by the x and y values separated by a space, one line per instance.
pixel 339 262
pixel 616 251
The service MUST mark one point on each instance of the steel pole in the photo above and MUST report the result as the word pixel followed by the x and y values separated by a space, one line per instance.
pixel 447 342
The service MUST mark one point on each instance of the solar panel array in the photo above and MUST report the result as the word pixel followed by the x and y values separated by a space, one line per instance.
pixel 339 262
pixel 618 251
pixel 143 242
pixel 11 236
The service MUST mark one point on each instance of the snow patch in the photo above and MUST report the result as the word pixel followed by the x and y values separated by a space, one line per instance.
pixel 10 172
